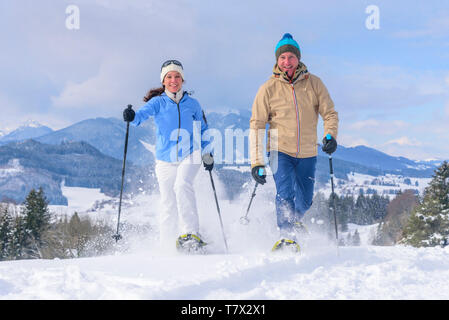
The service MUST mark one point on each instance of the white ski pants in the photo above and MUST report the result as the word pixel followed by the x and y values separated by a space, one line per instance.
pixel 179 214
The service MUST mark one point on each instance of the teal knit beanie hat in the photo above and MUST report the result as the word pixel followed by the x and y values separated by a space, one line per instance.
pixel 287 44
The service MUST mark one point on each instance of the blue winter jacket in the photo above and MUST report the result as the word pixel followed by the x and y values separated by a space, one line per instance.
pixel 179 127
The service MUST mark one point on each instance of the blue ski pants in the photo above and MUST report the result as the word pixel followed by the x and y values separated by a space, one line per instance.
pixel 295 180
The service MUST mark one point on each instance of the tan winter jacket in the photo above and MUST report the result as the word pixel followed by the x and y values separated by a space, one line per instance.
pixel 291 109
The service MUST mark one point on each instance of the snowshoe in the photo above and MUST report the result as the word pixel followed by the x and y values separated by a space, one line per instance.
pixel 190 243
pixel 286 245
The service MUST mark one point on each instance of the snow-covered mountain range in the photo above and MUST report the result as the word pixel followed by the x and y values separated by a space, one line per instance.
pixel 103 138
pixel 28 130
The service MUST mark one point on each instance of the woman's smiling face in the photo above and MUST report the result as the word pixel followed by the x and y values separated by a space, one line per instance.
pixel 173 81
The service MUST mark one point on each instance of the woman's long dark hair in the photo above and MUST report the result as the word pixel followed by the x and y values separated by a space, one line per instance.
pixel 153 93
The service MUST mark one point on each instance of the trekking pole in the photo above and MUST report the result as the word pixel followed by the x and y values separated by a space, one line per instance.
pixel 218 210
pixel 244 219
pixel 117 235
pixel 333 200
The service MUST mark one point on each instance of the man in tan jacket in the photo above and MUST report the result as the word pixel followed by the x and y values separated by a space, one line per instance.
pixel 290 102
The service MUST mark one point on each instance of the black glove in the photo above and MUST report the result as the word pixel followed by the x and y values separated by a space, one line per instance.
pixel 129 114
pixel 208 161
pixel 329 144
pixel 258 173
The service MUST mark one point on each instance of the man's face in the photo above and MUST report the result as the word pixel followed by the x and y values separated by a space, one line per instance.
pixel 288 62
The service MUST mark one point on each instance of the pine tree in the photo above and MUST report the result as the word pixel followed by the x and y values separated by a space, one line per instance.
pixel 349 239
pixel 429 223
pixel 37 221
pixel 37 215
pixel 356 238
pixel 17 242
pixel 344 206
pixel 360 210
pixel 6 225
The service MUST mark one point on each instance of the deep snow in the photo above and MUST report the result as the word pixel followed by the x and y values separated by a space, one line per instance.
pixel 249 271
pixel 357 273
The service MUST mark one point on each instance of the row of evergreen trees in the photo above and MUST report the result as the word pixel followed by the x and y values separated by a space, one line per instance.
pixel 361 210
pixel 407 219
pixel 32 232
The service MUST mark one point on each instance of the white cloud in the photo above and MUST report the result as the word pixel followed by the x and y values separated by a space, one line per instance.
pixel 351 141
pixel 10 112
pixel 99 90
pixel 364 124
pixel 435 27
pixel 382 127
pixel 404 141
pixel 383 88
pixel 13 115
pixel 410 152
pixel 118 82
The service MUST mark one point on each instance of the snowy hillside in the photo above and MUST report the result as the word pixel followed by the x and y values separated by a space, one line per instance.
pixel 146 270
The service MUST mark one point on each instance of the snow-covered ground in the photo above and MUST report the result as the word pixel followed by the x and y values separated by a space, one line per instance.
pixel 249 271
pixel 364 272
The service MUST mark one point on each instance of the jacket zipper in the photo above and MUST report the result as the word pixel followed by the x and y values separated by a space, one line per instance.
pixel 179 129
pixel 297 118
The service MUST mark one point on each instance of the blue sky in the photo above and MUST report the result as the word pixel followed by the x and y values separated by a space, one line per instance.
pixel 390 85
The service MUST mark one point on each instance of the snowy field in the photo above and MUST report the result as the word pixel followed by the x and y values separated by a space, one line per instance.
pixel 357 273
pixel 249 271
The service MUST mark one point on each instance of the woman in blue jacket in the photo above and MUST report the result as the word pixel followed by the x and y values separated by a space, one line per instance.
pixel 180 124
